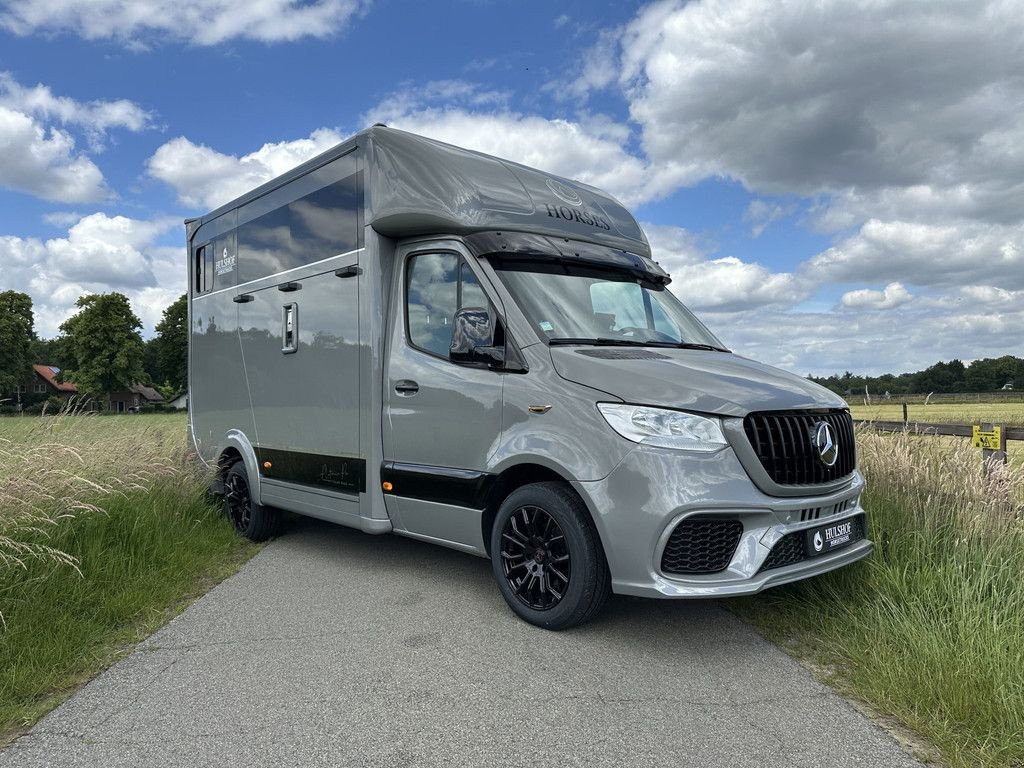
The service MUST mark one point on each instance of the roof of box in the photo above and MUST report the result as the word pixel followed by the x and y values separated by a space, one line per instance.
pixel 419 186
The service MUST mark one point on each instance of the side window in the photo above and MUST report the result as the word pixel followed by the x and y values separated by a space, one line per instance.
pixel 432 296
pixel 201 273
pixel 437 285
pixel 208 276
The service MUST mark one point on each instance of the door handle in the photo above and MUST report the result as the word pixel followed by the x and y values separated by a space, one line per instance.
pixel 407 387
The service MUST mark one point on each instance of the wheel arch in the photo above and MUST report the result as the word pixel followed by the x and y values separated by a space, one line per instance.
pixel 526 473
pixel 238 448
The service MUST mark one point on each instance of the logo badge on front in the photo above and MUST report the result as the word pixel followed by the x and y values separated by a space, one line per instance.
pixel 818 543
pixel 825 442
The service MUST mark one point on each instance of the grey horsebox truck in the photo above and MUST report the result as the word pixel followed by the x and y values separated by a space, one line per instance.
pixel 404 336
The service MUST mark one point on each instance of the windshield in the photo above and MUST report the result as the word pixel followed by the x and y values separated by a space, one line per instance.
pixel 586 305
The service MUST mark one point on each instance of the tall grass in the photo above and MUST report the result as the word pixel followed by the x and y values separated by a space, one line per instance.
pixel 45 480
pixel 104 530
pixel 929 630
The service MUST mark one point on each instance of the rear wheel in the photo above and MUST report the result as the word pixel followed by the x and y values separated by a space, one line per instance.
pixel 252 520
pixel 547 558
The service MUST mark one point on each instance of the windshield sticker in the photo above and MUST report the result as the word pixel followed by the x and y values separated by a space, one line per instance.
pixel 546 326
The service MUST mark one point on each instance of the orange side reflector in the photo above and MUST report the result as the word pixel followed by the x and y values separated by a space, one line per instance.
pixel 386 485
pixel 267 465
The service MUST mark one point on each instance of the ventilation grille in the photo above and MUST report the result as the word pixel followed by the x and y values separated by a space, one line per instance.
pixel 816 513
pixel 701 546
pixel 622 354
pixel 784 442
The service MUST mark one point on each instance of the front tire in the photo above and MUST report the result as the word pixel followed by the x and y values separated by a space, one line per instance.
pixel 252 520
pixel 547 558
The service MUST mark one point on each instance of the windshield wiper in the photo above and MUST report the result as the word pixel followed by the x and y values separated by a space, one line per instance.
pixel 598 342
pixel 691 345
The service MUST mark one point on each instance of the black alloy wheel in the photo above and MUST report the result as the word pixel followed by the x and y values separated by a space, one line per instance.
pixel 238 501
pixel 254 521
pixel 547 557
pixel 535 558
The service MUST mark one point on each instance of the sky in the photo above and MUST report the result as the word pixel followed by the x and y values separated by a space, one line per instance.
pixel 833 185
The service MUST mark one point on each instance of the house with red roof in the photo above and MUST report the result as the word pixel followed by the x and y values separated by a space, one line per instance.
pixel 45 383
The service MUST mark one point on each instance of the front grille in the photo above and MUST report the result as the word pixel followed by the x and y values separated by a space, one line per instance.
pixel 789 550
pixel 701 546
pixel 784 443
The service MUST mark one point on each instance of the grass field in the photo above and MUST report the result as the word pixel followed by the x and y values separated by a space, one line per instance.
pixel 105 533
pixel 930 630
pixel 943 413
pixel 1010 414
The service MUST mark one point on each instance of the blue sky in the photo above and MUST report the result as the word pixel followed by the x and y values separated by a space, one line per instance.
pixel 833 186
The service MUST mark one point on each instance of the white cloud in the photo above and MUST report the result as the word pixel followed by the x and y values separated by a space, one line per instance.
pixel 96 117
pixel 99 254
pixel 729 284
pixel 198 22
pixel 760 214
pixel 206 178
pixel 926 254
pixel 673 247
pixel 893 295
pixel 43 162
pixel 39 158
pixel 720 285
pixel 907 338
pixel 874 102
pixel 599 68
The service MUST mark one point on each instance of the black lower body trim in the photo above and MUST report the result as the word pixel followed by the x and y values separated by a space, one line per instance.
pixel 334 473
pixel 445 485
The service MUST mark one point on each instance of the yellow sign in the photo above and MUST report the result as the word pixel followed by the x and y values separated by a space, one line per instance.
pixel 988 440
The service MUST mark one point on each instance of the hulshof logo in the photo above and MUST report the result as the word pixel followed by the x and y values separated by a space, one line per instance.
pixel 825 443
pixel 565 192
pixel 818 543
pixel 225 263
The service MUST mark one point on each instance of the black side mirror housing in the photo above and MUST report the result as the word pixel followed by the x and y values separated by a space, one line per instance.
pixel 473 339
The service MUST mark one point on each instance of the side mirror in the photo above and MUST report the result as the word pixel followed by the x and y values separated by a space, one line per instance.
pixel 473 338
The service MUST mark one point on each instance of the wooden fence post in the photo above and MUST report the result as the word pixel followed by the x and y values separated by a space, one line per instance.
pixel 905 419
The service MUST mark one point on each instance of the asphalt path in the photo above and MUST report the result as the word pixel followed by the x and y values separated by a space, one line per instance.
pixel 335 648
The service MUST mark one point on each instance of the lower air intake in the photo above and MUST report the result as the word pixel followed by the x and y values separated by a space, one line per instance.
pixel 701 546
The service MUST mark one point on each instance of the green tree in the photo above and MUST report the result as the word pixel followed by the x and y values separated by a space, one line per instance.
pixel 104 344
pixel 17 333
pixel 171 346
pixel 51 352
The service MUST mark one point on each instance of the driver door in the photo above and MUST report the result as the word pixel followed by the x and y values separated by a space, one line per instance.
pixel 441 421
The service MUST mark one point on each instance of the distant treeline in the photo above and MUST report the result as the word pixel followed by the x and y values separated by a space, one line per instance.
pixel 988 375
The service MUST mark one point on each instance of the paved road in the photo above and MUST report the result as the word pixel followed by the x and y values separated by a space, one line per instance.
pixel 334 648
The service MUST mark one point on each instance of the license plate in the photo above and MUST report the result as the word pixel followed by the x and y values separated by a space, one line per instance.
pixel 829 538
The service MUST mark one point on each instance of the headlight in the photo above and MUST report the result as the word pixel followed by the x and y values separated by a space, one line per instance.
pixel 663 428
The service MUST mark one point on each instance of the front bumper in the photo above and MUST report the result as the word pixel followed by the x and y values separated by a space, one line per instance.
pixel 638 505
